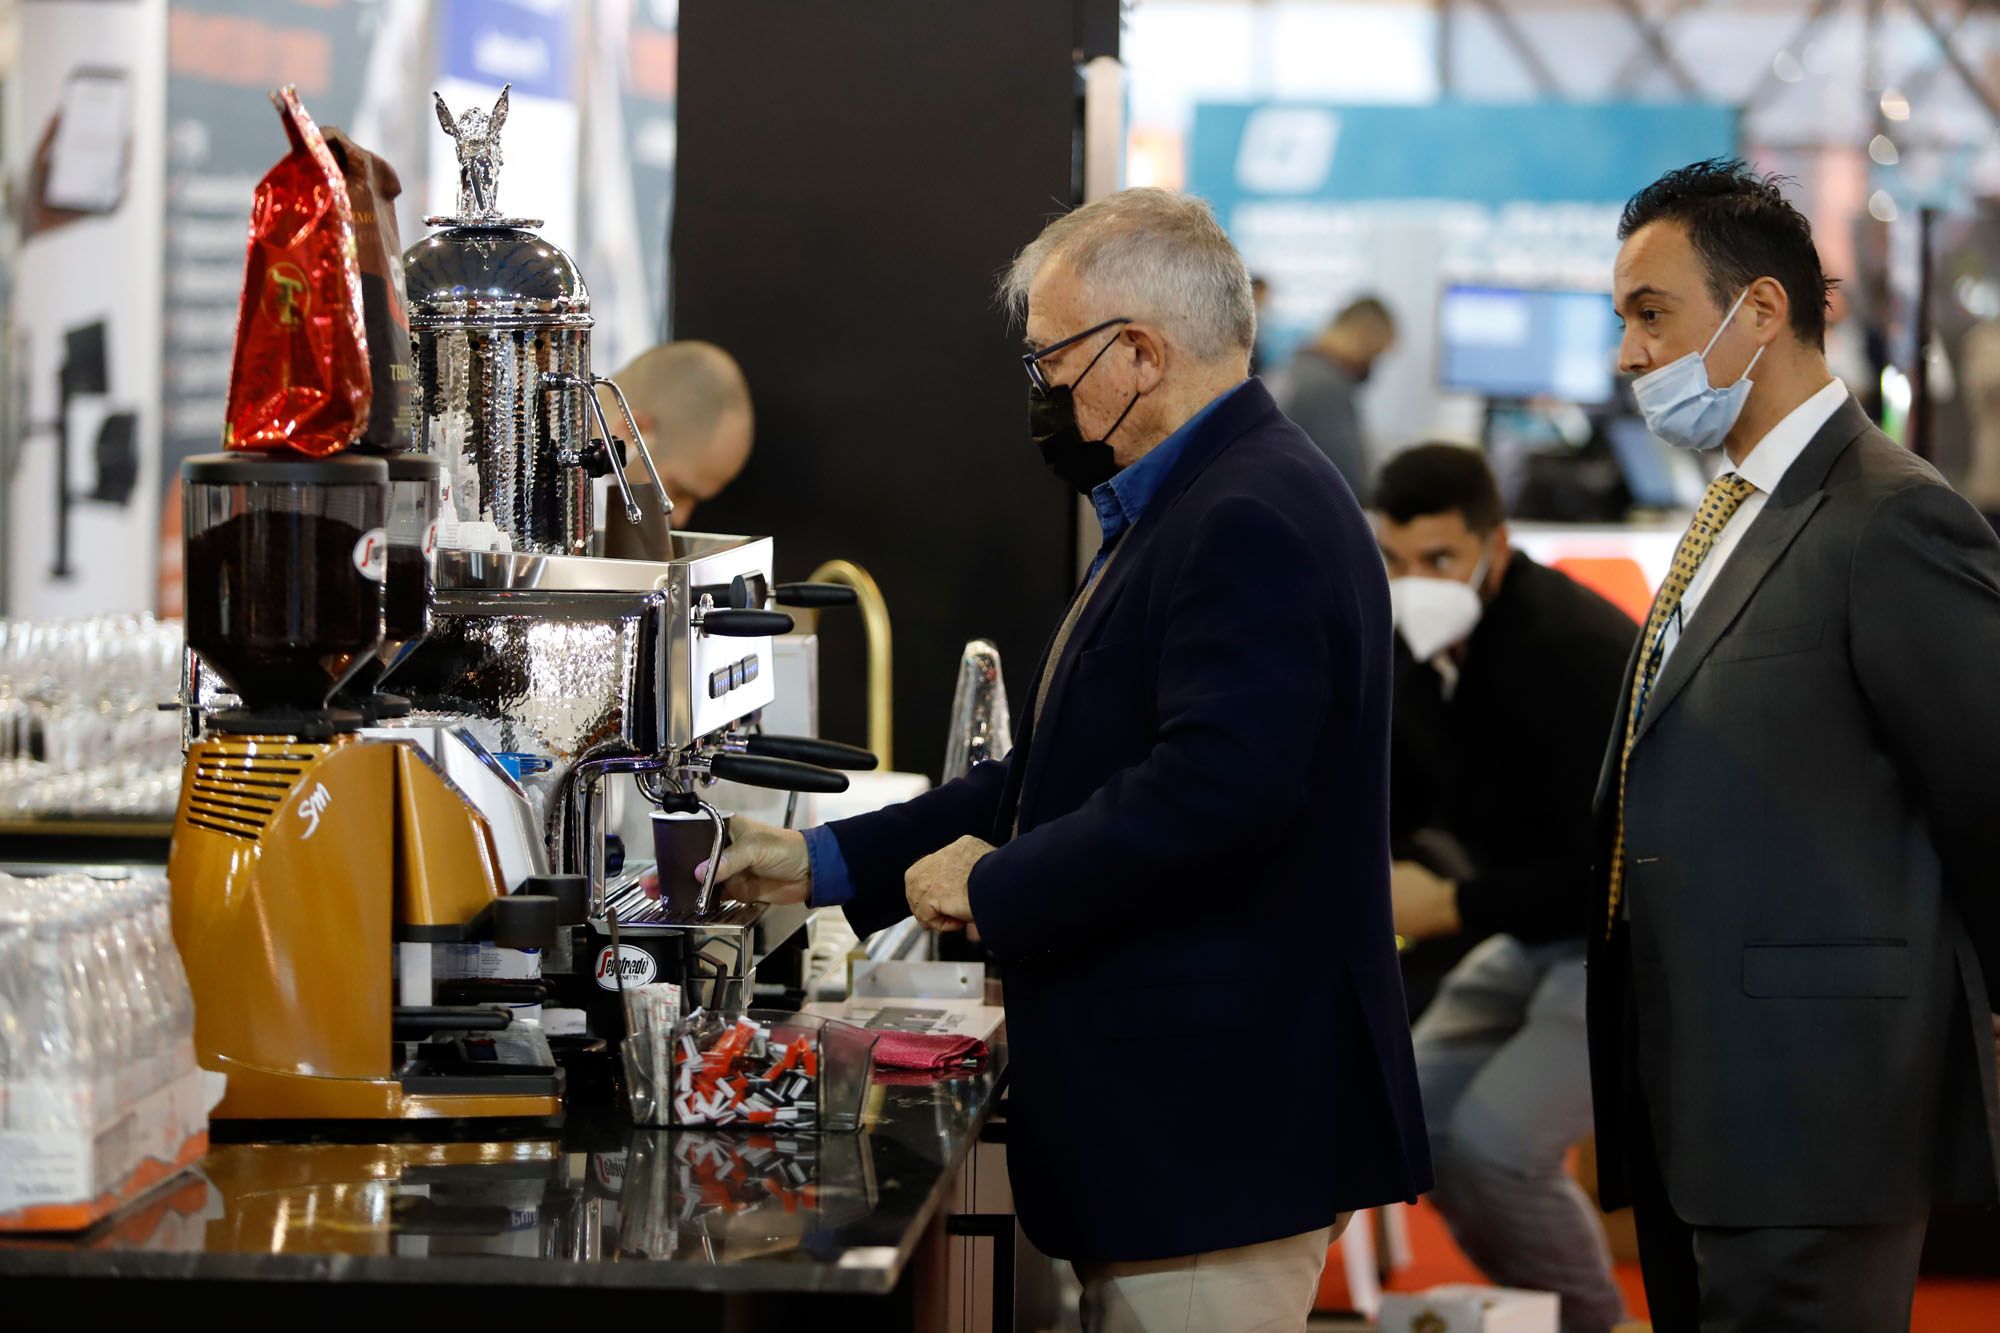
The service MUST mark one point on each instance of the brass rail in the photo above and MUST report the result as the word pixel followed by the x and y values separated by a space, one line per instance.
pixel 875 623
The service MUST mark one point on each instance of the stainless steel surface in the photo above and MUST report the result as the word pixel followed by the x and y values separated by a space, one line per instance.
pixel 723 945
pixel 597 666
pixel 481 623
pixel 898 978
pixel 714 861
pixel 638 442
pixel 500 321
pixel 560 675
pixel 495 570
pixel 496 278
pixel 518 836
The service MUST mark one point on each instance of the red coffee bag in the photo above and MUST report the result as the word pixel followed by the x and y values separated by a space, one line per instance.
pixel 300 378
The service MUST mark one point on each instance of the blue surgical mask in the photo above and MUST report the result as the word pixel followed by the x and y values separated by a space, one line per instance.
pixel 1682 407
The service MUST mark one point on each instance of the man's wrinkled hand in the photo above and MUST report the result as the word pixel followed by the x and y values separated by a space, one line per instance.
pixel 1425 904
pixel 939 886
pixel 762 864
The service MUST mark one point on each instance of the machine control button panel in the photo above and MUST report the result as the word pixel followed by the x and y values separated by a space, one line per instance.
pixel 734 676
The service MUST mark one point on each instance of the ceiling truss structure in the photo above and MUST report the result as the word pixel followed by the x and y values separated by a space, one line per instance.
pixel 1655 49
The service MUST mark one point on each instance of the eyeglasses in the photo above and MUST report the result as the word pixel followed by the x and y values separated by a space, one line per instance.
pixel 1032 361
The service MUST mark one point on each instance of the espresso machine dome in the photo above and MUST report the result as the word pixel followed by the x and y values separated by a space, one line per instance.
pixel 500 324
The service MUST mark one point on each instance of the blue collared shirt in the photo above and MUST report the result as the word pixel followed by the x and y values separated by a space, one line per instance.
pixel 1123 501
pixel 1120 503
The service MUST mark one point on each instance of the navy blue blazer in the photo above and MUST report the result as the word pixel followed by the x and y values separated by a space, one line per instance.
pixel 1205 1015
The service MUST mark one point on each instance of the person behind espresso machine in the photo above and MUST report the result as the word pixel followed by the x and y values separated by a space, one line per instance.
pixel 1183 865
pixel 1507 674
pixel 691 404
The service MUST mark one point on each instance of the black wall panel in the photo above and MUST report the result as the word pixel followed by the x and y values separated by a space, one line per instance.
pixel 851 179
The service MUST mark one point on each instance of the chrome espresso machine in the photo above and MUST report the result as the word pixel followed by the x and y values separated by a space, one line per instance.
pixel 568 670
pixel 542 674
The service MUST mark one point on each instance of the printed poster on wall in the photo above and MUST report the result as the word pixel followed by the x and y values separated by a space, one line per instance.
pixel 81 477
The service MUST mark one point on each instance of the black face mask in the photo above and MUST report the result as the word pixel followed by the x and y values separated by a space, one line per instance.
pixel 1082 464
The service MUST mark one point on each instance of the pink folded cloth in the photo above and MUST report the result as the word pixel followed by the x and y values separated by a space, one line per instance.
pixel 928 1052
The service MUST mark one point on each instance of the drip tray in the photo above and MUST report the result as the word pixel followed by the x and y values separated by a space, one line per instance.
pixel 511 1062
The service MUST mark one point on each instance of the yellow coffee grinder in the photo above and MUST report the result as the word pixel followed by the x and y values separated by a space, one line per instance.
pixel 315 866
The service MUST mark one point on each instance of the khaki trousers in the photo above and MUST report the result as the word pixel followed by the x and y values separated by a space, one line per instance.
pixel 1266 1288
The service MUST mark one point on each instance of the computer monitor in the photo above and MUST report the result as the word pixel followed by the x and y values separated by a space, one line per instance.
pixel 1516 342
pixel 1658 475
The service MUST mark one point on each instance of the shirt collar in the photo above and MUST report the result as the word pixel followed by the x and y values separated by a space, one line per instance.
pixel 1781 446
pixel 1124 499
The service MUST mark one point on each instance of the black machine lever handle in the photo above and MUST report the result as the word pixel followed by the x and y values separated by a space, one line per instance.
pixel 449 1018
pixel 813 594
pixel 812 750
pixel 753 770
pixel 477 992
pixel 730 623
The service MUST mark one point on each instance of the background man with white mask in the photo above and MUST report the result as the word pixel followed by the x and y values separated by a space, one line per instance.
pixel 1507 675
pixel 1791 1024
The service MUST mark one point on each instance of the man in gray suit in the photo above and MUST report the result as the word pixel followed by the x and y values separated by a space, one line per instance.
pixel 1791 1028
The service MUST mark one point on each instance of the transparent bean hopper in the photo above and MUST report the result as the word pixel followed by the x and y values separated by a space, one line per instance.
pixel 285 562
pixel 409 585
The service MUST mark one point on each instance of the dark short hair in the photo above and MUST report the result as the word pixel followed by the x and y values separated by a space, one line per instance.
pixel 1364 309
pixel 1744 228
pixel 1440 479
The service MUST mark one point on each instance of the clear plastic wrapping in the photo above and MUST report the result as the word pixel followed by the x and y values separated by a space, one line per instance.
pixel 95 1010
pixel 100 1096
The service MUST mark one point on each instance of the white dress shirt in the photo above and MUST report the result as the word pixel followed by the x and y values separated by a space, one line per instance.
pixel 1764 468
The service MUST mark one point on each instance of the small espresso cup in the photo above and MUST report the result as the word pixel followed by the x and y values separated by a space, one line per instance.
pixel 681 842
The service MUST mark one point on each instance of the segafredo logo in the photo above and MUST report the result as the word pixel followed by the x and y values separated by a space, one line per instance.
pixel 371 554
pixel 636 964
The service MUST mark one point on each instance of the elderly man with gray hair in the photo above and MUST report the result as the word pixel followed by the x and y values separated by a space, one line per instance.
pixel 1183 867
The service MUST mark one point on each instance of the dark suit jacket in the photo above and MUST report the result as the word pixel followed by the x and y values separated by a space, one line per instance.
pixel 1812 843
pixel 1204 1014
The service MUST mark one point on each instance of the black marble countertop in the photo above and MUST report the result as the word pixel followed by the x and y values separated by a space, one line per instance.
pixel 605 1206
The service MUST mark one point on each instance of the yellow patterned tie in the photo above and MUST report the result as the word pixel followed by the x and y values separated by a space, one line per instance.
pixel 1725 494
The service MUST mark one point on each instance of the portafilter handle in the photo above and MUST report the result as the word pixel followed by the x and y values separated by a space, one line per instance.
pixel 811 750
pixel 755 770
